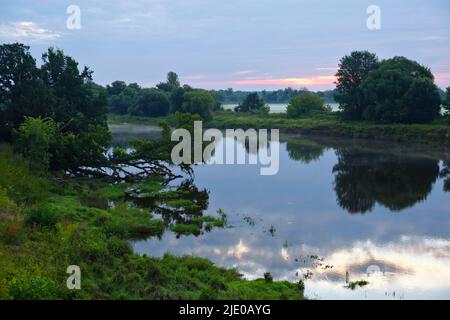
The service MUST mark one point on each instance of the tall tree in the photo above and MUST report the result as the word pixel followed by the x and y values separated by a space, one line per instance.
pixel 171 83
pixel 22 93
pixel 353 69
pixel 77 105
pixel 401 90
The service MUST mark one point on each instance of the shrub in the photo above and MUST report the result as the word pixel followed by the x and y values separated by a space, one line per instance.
pixel 306 104
pixel 42 215
pixel 151 103
pixel 252 102
pixel 199 102
pixel 33 140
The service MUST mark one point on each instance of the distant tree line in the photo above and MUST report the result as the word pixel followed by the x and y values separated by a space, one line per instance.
pixel 166 98
pixel 230 96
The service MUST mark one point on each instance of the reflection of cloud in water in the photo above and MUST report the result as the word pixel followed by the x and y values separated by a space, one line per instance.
pixel 412 267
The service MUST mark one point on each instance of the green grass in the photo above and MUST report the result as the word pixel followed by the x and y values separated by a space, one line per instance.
pixel 437 132
pixel 47 224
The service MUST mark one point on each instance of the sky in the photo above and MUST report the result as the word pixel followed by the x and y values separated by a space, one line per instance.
pixel 239 44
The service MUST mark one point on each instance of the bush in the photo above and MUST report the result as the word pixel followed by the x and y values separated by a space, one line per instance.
pixel 42 215
pixel 199 102
pixel 151 103
pixel 400 91
pixel 307 104
pixel 33 140
pixel 252 102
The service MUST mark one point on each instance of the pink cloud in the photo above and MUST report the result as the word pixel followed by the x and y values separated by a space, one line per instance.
pixel 442 78
pixel 306 81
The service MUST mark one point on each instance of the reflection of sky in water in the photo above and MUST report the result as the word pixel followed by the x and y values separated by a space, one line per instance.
pixel 411 247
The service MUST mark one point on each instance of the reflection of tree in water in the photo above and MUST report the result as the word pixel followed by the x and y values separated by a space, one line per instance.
pixel 364 178
pixel 445 173
pixel 181 207
pixel 305 151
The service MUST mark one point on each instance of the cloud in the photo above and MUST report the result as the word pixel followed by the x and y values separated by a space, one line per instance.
pixel 244 72
pixel 27 30
pixel 306 81
pixel 442 78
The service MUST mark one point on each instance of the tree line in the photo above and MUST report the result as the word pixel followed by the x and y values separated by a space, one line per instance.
pixel 167 97
pixel 230 96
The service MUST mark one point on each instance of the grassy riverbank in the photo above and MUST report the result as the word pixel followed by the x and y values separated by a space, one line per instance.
pixel 48 223
pixel 436 133
pixel 331 125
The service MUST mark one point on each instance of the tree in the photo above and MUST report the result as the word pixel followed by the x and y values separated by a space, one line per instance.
pixel 122 97
pixel 353 69
pixel 22 92
pixel 306 104
pixel 251 102
pixel 177 99
pixel 116 88
pixel 400 90
pixel 171 83
pixel 199 102
pixel 151 103
pixel 446 100
pixel 77 105
pixel 394 181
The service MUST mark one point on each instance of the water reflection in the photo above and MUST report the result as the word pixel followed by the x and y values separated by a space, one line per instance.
pixel 304 150
pixel 364 178
pixel 320 181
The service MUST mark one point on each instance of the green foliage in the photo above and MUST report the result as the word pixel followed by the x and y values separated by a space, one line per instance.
pixel 35 136
pixel 59 114
pixel 34 265
pixel 199 102
pixel 306 104
pixel 78 102
pixel 22 91
pixel 446 100
pixel 400 90
pixel 395 90
pixel 22 185
pixel 360 283
pixel 436 133
pixel 353 69
pixel 45 145
pixel 42 215
pixel 252 102
pixel 171 84
pixel 151 103
pixel 121 97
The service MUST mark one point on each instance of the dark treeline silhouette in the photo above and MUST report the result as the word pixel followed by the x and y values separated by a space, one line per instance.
pixel 230 96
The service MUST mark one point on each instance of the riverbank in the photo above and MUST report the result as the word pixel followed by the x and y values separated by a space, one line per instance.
pixel 51 222
pixel 331 125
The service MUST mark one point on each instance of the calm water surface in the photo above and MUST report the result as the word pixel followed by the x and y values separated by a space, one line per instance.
pixel 379 212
